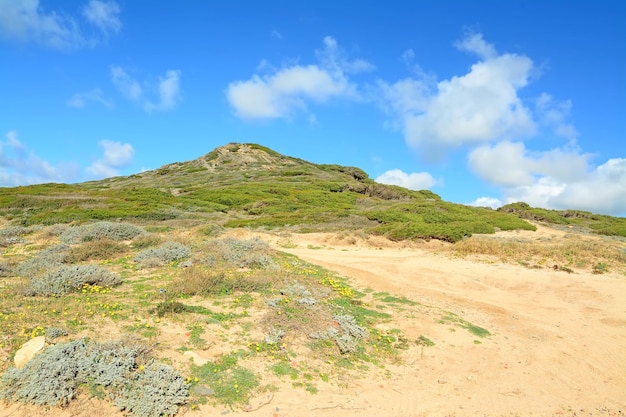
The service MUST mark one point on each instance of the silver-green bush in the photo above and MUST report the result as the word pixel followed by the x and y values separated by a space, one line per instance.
pixel 54 377
pixel 68 278
pixel 164 254
pixel 250 253
pixel 45 260
pixel 101 230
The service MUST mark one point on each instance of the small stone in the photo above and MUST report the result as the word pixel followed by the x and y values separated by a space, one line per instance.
pixel 28 350
pixel 202 391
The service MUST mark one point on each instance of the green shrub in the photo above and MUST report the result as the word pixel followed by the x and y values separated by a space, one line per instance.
pixel 14 231
pixel 54 377
pixel 158 390
pixel 69 278
pixel 101 230
pixel 44 261
pixel 164 254
pixel 251 253
pixel 50 378
pixel 352 333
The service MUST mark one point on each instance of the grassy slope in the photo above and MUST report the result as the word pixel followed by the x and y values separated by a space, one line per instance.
pixel 249 185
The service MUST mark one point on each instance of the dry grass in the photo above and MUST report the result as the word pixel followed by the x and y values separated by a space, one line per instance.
pixel 571 251
pixel 96 249
pixel 199 281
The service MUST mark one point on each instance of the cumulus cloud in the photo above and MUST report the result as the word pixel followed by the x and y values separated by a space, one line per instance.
pixel 478 107
pixel 19 166
pixel 602 190
pixel 116 156
pixel 557 178
pixel 510 164
pixel 27 21
pixel 288 90
pixel 413 181
pixel 80 100
pixel 166 89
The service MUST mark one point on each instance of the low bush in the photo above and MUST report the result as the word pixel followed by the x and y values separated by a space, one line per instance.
pixel 45 260
pixel 14 231
pixel 54 377
pixel 66 279
pixel 164 254
pixel 250 253
pixel 101 230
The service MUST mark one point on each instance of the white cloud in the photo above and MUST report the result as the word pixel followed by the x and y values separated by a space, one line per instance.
pixel 27 21
pixel 104 15
pixel 18 166
pixel 557 178
pixel 276 34
pixel 413 181
pixel 167 89
pixel 80 100
pixel 509 164
pixel 494 203
pixel 475 43
pixel 127 85
pixel 117 155
pixel 480 106
pixel 602 190
pixel 288 90
pixel 169 92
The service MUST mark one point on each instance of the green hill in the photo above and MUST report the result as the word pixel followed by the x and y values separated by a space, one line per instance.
pixel 249 185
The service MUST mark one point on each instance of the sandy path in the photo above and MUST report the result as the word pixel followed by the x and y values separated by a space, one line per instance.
pixel 558 344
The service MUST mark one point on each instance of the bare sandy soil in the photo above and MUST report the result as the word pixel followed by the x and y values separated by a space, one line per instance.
pixel 558 343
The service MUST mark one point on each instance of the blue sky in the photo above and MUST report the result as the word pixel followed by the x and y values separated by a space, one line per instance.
pixel 483 102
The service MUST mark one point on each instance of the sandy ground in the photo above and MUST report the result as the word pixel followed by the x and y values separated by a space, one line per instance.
pixel 558 344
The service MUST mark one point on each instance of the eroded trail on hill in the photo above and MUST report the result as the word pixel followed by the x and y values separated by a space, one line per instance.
pixel 558 340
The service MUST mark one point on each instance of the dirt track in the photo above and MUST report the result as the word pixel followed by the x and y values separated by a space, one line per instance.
pixel 558 345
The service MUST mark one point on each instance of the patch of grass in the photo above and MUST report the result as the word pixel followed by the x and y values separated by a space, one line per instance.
pixel 600 268
pixel 451 318
pixel 390 299
pixel 424 341
pixel 233 384
pixel 195 335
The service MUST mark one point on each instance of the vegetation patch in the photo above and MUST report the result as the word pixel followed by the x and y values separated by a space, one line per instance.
pixel 127 375
pixel 451 318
